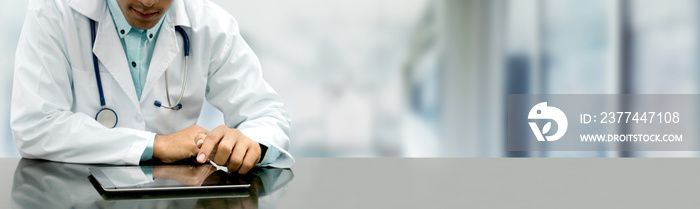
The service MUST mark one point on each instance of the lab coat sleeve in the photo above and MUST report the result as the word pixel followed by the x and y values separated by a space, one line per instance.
pixel 42 121
pixel 236 87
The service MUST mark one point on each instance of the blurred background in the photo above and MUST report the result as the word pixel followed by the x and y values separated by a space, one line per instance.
pixel 430 78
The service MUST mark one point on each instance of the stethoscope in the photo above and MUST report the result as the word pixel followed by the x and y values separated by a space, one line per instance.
pixel 107 116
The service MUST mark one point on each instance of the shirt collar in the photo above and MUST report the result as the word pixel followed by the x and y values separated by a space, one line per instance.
pixel 123 27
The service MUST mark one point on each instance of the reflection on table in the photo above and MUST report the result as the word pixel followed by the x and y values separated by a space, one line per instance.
pixel 45 184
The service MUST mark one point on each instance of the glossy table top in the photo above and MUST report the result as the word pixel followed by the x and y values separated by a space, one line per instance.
pixel 394 183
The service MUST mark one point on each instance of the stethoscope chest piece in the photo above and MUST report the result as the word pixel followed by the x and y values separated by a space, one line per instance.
pixel 107 117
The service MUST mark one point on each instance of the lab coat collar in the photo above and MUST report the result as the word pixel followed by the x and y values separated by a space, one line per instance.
pixel 95 10
pixel 178 14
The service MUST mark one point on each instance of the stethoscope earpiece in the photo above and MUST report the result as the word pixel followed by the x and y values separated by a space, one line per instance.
pixel 159 104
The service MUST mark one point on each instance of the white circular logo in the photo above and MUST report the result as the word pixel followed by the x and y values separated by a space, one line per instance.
pixel 542 112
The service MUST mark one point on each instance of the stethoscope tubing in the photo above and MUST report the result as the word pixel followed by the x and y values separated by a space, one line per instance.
pixel 96 66
pixel 177 105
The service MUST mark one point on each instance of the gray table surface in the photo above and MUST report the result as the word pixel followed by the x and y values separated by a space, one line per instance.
pixel 427 183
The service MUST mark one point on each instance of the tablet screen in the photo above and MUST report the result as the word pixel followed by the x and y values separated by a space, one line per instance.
pixel 166 178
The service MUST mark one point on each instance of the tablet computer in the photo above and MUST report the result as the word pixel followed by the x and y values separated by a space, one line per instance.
pixel 166 179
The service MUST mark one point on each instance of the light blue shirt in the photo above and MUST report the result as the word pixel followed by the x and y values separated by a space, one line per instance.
pixel 138 46
pixel 270 156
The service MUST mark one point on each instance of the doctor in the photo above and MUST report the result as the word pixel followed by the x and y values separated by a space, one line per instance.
pixel 124 81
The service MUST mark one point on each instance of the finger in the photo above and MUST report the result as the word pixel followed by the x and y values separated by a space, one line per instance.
pixel 210 142
pixel 213 153
pixel 223 151
pixel 199 140
pixel 251 158
pixel 236 160
pixel 189 149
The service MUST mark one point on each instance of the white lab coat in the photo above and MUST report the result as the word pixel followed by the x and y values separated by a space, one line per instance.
pixel 55 96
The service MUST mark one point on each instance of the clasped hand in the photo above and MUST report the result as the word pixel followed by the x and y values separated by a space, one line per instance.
pixel 223 145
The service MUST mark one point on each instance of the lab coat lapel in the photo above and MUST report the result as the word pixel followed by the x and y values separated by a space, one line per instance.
pixel 166 49
pixel 110 53
pixel 167 45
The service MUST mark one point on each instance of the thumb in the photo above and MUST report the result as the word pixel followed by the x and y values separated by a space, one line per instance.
pixel 201 157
